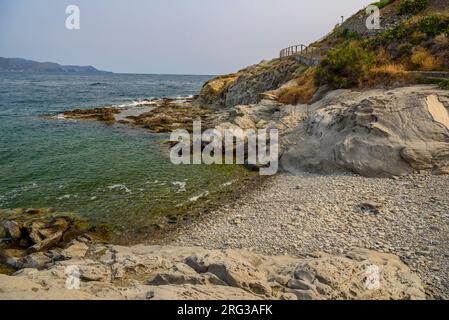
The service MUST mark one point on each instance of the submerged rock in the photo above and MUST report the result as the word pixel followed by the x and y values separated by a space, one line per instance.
pixel 99 114
pixel 32 236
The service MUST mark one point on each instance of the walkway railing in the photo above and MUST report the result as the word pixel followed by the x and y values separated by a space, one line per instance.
pixel 309 52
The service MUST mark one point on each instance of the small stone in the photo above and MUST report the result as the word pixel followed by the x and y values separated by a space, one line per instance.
pixel 440 170
pixel 149 295
pixel 370 207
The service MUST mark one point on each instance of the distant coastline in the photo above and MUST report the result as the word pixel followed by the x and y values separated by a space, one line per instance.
pixel 19 65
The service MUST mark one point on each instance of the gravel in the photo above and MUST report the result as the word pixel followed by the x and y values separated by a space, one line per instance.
pixel 300 214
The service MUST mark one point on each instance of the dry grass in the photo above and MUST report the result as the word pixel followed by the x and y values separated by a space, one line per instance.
pixel 442 41
pixel 302 91
pixel 424 60
pixel 388 74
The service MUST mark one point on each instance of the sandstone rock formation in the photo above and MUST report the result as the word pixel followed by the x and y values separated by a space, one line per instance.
pixel 245 86
pixel 373 133
pixel 151 272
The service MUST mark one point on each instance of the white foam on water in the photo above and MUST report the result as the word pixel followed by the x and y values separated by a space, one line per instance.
pixel 227 184
pixel 181 185
pixel 121 187
pixel 67 196
pixel 134 104
pixel 202 195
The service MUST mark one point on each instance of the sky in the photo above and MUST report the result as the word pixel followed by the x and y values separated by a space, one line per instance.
pixel 165 36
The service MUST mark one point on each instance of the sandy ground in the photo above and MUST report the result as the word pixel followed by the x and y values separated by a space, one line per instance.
pixel 308 212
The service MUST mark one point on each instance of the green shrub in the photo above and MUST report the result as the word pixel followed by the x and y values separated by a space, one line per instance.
pixel 444 84
pixel 349 35
pixel 382 4
pixel 393 34
pixel 412 6
pixel 345 67
pixel 434 25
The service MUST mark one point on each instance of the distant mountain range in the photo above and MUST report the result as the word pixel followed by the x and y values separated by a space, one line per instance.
pixel 23 65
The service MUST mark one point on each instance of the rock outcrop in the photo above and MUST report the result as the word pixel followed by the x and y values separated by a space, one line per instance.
pixel 246 86
pixel 36 237
pixel 373 133
pixel 151 272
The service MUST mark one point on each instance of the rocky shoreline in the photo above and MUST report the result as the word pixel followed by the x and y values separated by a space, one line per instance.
pixel 362 192
pixel 161 273
pixel 294 239
pixel 398 210
pixel 298 214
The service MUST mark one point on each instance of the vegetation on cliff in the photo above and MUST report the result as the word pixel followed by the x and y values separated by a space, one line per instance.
pixel 418 40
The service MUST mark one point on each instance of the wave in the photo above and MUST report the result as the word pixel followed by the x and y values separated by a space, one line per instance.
pixel 196 198
pixel 67 196
pixel 227 184
pixel 121 187
pixel 142 103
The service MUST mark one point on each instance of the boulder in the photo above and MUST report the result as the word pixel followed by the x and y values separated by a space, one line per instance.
pixel 12 257
pixel 375 133
pixel 47 243
pixel 12 229
pixel 75 249
pixel 245 123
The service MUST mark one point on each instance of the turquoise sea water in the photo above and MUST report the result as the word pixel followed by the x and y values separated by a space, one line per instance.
pixel 106 173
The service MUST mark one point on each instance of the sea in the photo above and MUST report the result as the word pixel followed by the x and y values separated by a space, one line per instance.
pixel 107 174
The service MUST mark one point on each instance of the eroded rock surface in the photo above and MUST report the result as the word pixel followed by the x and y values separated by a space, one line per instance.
pixel 246 86
pixel 372 133
pixel 152 272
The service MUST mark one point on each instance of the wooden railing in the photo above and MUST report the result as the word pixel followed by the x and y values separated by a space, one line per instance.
pixel 309 52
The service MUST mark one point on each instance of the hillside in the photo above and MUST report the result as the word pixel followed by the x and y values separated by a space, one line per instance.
pixel 23 65
pixel 413 40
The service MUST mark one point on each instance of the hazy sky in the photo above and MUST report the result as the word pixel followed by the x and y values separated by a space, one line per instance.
pixel 165 36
